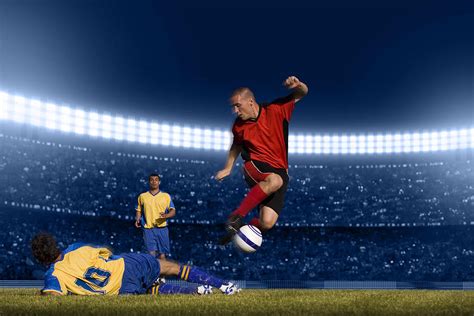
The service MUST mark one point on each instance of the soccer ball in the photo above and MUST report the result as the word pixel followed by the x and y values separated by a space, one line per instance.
pixel 248 238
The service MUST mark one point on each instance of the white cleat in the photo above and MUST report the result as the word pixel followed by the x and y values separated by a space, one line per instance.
pixel 204 290
pixel 229 288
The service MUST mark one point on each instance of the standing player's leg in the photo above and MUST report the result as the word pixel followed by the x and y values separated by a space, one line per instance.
pixel 163 244
pixel 150 241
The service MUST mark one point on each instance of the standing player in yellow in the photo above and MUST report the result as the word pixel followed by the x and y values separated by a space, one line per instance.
pixel 86 269
pixel 153 209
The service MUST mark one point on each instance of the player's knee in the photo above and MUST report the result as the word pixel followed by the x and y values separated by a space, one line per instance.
pixel 266 224
pixel 276 181
pixel 168 267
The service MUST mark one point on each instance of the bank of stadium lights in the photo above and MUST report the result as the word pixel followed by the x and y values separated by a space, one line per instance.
pixel 98 125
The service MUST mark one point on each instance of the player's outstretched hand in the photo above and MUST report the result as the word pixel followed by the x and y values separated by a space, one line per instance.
pixel 291 82
pixel 137 224
pixel 222 174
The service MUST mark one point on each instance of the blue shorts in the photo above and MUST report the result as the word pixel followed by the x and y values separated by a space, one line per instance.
pixel 141 271
pixel 157 239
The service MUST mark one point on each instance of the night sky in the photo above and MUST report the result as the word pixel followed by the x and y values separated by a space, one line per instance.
pixel 369 65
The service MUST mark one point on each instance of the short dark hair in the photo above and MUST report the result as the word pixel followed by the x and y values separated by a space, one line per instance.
pixel 45 248
pixel 154 175
pixel 243 92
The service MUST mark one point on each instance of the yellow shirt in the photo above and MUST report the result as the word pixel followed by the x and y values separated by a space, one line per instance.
pixel 151 206
pixel 85 269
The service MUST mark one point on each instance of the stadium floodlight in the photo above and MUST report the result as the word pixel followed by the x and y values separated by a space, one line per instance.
pixel 187 138
pixel 19 109
pixel 176 136
pixel 4 105
pixel 463 138
pixel 406 143
pixel 453 139
pixel 34 112
pixel 300 144
pixel 361 144
pixel 118 128
pixel 93 124
pixel 106 126
pixel 425 142
pixel 130 130
pixel 51 115
pixel 326 144
pixel 154 127
pixel 370 144
pixel 19 100
pixel 388 143
pixel 197 138
pixel 65 119
pixel 143 132
pixel 79 121
pixel 397 143
pixel 308 141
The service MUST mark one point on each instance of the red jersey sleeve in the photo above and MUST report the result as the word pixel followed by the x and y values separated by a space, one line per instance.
pixel 286 106
pixel 237 135
pixel 287 109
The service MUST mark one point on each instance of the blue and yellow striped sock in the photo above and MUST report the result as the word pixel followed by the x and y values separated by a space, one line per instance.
pixel 196 275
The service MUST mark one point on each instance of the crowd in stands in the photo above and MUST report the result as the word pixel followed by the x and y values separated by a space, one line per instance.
pixel 390 221
pixel 434 253
pixel 96 182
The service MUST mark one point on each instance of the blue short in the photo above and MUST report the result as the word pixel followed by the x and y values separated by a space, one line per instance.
pixel 157 239
pixel 141 271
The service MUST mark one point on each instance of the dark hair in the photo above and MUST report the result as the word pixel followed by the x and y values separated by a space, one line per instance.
pixel 154 175
pixel 44 248
pixel 243 92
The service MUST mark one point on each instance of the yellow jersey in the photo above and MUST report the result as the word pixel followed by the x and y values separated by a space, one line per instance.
pixel 85 269
pixel 151 206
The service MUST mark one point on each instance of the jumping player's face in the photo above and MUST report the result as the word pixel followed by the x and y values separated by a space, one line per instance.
pixel 154 183
pixel 242 107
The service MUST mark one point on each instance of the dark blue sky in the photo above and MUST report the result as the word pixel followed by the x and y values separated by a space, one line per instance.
pixel 370 66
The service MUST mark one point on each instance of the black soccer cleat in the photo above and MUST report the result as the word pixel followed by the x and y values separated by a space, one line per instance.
pixel 232 226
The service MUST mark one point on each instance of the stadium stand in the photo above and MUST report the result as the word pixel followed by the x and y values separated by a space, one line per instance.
pixel 388 219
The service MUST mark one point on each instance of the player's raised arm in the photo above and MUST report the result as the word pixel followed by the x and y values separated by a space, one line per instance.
pixel 299 88
pixel 234 152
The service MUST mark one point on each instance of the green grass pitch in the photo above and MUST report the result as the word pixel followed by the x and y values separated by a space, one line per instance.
pixel 248 302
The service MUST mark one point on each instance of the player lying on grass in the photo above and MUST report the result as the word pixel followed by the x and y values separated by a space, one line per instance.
pixel 85 269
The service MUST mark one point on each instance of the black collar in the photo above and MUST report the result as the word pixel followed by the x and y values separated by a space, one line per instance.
pixel 258 115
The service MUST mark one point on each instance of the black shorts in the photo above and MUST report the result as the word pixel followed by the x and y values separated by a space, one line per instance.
pixel 257 171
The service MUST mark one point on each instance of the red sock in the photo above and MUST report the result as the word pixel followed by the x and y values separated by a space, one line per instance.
pixel 253 198
pixel 255 222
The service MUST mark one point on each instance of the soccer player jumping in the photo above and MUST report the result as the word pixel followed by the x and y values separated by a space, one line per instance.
pixel 261 137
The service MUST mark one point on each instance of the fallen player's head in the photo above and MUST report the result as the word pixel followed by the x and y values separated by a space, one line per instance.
pixel 45 248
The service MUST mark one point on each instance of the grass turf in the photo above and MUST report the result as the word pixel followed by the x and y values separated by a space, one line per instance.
pixel 248 302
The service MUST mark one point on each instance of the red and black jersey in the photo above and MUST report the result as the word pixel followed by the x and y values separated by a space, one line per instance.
pixel 265 138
